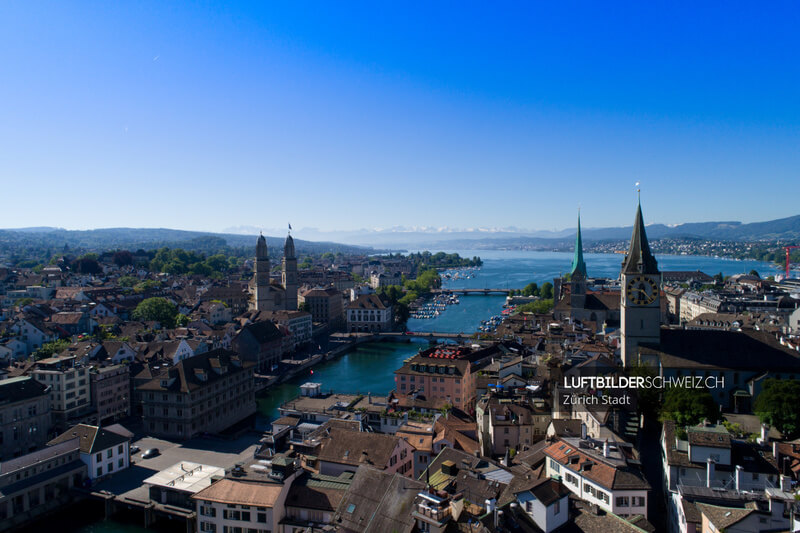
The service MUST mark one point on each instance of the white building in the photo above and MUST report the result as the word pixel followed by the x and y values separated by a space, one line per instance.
pixel 546 501
pixel 598 473
pixel 70 392
pixel 368 313
pixel 103 451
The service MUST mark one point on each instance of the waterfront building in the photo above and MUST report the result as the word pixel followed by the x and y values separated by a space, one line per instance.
pixel 445 372
pixel 24 416
pixel 103 451
pixel 110 392
pixel 177 484
pixel 325 305
pixel 261 343
pixel 601 473
pixel 251 497
pixel 39 482
pixel 369 313
pixel 269 296
pixel 385 279
pixel 70 391
pixel 299 324
pixel 207 393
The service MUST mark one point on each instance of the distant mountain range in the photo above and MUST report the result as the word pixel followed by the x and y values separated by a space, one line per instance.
pixel 12 240
pixel 312 240
pixel 420 237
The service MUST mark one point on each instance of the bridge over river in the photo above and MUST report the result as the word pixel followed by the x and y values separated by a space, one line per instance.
pixel 358 338
pixel 472 291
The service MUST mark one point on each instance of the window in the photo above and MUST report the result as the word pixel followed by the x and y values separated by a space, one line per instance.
pixel 109 453
pixel 622 501
pixel 119 449
pixel 557 507
pixel 555 466
pixel 99 471
pixel 98 457
pixel 262 518
pixel 121 463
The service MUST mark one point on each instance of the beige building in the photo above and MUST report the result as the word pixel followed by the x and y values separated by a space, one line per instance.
pixel 369 313
pixel 70 392
pixel 111 395
pixel 324 304
pixel 207 393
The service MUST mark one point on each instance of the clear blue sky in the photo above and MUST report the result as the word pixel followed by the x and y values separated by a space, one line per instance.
pixel 339 115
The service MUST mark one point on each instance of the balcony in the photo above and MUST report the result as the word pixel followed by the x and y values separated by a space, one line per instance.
pixel 430 513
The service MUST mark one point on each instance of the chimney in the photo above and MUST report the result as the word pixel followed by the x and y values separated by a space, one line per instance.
pixel 709 472
pixel 583 430
pixel 605 448
pixel 786 483
pixel 738 478
pixel 764 431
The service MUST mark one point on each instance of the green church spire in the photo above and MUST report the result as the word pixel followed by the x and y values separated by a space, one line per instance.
pixel 578 265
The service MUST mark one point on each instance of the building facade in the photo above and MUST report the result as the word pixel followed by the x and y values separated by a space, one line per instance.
pixel 24 416
pixel 70 389
pixel 110 392
pixel 207 393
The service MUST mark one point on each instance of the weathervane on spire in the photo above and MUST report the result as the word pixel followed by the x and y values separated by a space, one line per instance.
pixel 638 192
pixel 290 227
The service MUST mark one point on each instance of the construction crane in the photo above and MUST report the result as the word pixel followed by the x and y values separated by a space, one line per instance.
pixel 788 263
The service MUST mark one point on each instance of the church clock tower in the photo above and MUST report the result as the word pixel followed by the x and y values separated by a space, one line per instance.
pixel 640 307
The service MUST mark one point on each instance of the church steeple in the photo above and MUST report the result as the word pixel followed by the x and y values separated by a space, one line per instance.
pixel 639 259
pixel 578 265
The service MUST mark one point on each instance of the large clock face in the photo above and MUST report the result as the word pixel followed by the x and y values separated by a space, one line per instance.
pixel 642 290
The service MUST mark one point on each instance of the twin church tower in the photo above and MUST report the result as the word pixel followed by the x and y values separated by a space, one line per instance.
pixel 268 296
pixel 640 294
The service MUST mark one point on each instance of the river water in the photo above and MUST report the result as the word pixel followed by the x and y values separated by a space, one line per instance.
pixel 370 367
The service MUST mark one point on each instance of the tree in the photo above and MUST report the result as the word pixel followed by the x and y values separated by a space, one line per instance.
pixel 648 398
pixel 87 265
pixel 777 406
pixel 127 281
pixel 755 273
pixel 50 348
pixel 546 291
pixel 531 289
pixel 157 309
pixel 688 407
pixel 539 307
pixel 122 258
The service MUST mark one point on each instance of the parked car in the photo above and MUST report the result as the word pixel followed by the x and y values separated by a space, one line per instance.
pixel 152 452
pixel 134 450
